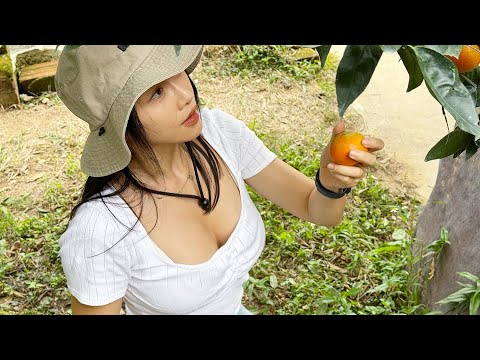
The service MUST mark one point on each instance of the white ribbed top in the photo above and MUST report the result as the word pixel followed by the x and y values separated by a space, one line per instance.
pixel 102 265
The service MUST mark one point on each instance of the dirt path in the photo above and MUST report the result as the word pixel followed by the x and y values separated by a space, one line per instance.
pixel 409 123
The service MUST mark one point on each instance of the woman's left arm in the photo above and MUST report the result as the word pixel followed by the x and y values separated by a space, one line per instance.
pixel 293 191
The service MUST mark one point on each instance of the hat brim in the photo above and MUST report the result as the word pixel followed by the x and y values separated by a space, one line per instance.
pixel 106 151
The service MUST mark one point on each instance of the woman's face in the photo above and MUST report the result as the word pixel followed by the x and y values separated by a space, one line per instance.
pixel 168 111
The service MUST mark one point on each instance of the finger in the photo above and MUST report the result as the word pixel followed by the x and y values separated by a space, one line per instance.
pixel 372 143
pixel 347 171
pixel 365 158
pixel 338 128
pixel 342 181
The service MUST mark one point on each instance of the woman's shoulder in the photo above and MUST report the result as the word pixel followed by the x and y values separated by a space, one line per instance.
pixel 98 223
pixel 217 120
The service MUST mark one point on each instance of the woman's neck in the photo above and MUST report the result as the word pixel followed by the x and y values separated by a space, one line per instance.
pixel 174 160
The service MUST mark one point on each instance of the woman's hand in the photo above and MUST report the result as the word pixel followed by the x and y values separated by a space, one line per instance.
pixel 334 176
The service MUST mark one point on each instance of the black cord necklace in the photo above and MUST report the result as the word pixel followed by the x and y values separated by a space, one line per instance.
pixel 203 202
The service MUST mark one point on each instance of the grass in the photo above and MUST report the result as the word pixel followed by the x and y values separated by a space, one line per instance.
pixel 359 267
pixel 363 266
pixel 271 62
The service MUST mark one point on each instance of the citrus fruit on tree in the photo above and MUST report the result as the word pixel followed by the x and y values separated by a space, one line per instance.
pixel 342 143
pixel 468 59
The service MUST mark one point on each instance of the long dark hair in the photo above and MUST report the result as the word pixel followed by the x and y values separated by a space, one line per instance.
pixel 136 132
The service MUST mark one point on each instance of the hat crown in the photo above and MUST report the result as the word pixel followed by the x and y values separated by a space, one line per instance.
pixel 101 83
pixel 90 77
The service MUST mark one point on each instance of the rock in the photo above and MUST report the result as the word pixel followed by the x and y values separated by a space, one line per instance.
pixel 35 56
pixel 287 84
pixel 26 98
pixel 38 78
pixel 453 204
pixel 305 54
pixel 8 82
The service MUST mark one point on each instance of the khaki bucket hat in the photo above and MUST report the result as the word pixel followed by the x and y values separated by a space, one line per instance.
pixel 101 83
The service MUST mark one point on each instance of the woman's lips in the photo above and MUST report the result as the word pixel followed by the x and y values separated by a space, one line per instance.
pixel 192 119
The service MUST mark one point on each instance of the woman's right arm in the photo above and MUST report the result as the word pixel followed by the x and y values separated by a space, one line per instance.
pixel 110 309
pixel 96 264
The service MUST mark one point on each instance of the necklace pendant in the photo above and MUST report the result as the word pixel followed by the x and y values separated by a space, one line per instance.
pixel 204 203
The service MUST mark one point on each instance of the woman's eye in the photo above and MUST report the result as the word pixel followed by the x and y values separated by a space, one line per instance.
pixel 157 93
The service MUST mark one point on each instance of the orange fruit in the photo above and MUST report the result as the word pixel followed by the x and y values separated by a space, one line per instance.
pixel 468 59
pixel 342 143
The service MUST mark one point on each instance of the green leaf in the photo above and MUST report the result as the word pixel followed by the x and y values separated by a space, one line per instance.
pixel 354 73
pixel 273 281
pixel 436 312
pixel 460 151
pixel 450 144
pixel 471 149
pixel 399 234
pixel 323 51
pixel 444 84
pixel 390 48
pixel 177 49
pixel 471 79
pixel 379 288
pixel 386 249
pixel 409 59
pixel 471 87
pixel 467 275
pixel 353 291
pixel 473 75
pixel 474 303
pixel 458 296
pixel 453 50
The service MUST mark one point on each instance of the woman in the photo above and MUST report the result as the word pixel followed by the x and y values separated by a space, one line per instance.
pixel 165 223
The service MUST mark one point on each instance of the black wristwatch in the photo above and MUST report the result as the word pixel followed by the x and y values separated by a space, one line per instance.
pixel 324 191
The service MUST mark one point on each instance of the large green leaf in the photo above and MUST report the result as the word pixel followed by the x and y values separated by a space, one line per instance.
pixel 450 144
pixel 409 59
pixel 390 48
pixel 444 84
pixel 354 73
pixel 453 50
pixel 323 51
pixel 471 79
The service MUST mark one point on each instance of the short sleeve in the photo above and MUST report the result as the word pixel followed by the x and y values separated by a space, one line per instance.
pixel 96 260
pixel 250 152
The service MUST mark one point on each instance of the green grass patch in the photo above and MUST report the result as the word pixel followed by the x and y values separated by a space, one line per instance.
pixel 272 62
pixel 31 276
pixel 362 266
